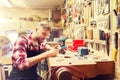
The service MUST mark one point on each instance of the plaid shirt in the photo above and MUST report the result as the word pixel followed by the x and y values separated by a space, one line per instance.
pixel 19 57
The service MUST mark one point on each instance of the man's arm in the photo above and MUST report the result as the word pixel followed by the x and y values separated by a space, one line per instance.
pixel 19 57
pixel 34 60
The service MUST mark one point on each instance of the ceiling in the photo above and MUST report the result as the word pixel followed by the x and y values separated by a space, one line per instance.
pixel 35 4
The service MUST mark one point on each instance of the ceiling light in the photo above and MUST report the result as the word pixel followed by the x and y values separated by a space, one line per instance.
pixel 6 3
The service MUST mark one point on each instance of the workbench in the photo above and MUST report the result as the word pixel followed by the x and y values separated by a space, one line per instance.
pixel 89 65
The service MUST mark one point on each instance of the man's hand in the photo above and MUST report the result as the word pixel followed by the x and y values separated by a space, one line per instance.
pixel 57 47
pixel 53 51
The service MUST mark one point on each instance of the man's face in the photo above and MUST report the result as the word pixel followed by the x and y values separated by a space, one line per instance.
pixel 42 34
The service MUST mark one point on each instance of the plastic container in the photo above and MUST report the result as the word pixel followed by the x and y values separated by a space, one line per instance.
pixel 82 51
pixel 78 43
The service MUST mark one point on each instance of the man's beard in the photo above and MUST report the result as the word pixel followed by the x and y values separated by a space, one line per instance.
pixel 39 40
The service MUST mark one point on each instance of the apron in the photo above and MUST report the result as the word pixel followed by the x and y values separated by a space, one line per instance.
pixel 29 74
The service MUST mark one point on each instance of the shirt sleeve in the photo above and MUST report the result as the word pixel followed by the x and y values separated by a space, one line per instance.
pixel 19 57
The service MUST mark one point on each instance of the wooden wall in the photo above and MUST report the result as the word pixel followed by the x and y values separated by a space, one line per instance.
pixel 86 19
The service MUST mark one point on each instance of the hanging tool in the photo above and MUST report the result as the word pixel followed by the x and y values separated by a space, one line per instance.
pixel 115 50
pixel 107 43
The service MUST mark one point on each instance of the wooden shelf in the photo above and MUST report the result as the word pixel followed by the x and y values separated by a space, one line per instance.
pixel 89 40
pixel 95 41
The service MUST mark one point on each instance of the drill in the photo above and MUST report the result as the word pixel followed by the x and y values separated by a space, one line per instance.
pixel 62 44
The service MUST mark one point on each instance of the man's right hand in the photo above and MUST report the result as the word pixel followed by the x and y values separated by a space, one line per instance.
pixel 53 52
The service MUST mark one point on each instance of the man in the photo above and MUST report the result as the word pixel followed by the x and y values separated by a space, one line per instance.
pixel 30 50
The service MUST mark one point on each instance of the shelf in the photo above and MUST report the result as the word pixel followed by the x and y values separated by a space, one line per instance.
pixel 89 40
pixel 95 41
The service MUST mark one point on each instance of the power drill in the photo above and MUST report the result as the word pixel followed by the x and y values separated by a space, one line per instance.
pixel 62 44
